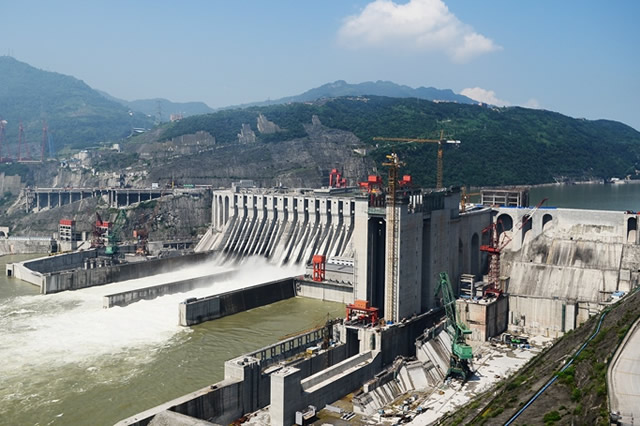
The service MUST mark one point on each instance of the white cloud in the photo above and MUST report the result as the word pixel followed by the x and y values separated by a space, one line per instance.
pixel 532 103
pixel 482 95
pixel 419 25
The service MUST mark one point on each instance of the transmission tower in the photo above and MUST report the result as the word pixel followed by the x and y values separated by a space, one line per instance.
pixel 2 136
pixel 45 133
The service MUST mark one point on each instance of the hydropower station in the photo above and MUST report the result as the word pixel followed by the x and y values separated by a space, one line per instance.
pixel 382 255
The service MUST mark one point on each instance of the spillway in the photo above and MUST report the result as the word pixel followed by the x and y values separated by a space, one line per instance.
pixel 67 361
pixel 283 227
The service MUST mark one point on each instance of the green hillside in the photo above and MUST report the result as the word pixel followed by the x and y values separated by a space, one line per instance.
pixel 77 115
pixel 500 146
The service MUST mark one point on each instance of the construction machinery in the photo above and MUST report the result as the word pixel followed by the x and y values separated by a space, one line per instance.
pixel 464 198
pixel 111 248
pixel 141 236
pixel 461 352
pixel 441 142
pixel 498 241
pixel 336 180
pixel 99 232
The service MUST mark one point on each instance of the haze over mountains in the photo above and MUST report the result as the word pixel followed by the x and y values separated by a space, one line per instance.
pixel 497 142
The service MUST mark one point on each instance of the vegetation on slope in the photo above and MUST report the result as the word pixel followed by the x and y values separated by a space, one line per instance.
pixel 77 115
pixel 500 146
pixel 579 396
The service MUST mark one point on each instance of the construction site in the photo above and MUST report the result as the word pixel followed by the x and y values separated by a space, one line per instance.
pixel 443 298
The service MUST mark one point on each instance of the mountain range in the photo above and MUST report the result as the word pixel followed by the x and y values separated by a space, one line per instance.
pixel 497 142
pixel 77 115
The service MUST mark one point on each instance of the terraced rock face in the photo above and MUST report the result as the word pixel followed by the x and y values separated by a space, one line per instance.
pixel 301 162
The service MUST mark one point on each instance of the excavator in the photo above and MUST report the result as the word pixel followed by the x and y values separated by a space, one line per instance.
pixel 111 248
pixel 461 352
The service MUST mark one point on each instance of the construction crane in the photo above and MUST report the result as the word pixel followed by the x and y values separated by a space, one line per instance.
pixel 393 163
pixel 441 142
pixel 461 352
pixel 100 228
pixel 498 242
pixel 112 238
pixel 464 198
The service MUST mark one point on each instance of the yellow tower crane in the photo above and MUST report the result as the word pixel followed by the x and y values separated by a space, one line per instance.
pixel 393 163
pixel 464 198
pixel 440 143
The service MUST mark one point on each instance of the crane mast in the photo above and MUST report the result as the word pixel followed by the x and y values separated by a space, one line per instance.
pixel 393 163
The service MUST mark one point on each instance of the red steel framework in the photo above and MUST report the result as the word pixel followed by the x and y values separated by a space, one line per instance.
pixel 498 241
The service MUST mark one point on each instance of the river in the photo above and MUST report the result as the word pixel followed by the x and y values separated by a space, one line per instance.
pixel 593 196
pixel 68 361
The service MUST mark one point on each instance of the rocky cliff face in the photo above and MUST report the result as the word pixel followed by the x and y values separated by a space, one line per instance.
pixel 302 162
pixel 172 217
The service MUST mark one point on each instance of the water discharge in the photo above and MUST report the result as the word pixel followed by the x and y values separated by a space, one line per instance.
pixel 66 360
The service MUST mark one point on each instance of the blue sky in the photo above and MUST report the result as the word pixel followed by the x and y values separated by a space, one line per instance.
pixel 579 58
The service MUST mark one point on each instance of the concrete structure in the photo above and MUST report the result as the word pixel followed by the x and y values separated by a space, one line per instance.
pixel 147 293
pixel 563 266
pixel 284 226
pixel 196 310
pixel 484 317
pixel 247 381
pixel 82 269
pixel 45 198
pixel 313 368
pixel 514 197
pixel 292 226
pixel 23 245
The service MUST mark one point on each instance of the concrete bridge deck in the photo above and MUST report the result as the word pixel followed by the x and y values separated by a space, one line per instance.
pixel 43 198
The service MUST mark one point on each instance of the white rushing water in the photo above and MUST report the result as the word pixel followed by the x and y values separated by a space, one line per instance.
pixel 60 344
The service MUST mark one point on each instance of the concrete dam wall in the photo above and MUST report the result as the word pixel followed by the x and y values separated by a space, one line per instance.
pixel 195 311
pixel 69 271
pixel 286 228
pixel 566 265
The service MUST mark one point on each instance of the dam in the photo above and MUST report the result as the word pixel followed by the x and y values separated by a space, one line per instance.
pixel 560 267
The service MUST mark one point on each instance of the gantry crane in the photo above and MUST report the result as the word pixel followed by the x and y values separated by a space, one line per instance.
pixel 394 163
pixel 461 352
pixel 498 242
pixel 440 143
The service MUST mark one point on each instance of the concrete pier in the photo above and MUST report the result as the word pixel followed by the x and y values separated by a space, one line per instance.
pixel 193 312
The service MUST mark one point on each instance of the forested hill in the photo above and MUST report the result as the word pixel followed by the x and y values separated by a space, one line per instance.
pixel 77 115
pixel 377 88
pixel 500 146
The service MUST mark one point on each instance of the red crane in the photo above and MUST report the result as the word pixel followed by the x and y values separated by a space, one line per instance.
pixel 497 243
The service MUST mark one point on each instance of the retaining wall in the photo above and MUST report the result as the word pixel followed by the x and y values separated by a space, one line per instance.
pixel 82 278
pixel 331 292
pixel 208 308
pixel 246 388
pixel 26 246
pixel 147 293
